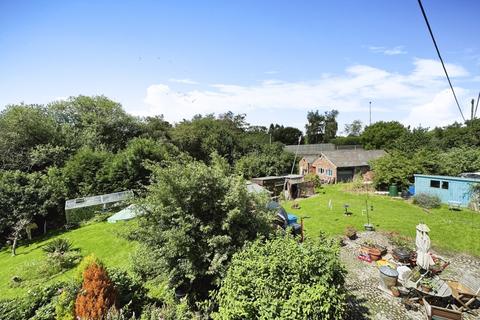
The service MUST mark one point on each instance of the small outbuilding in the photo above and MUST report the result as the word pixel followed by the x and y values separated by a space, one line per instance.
pixel 448 189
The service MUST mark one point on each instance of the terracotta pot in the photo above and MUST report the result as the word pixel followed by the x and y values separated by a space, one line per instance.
pixel 375 257
pixel 374 251
pixel 426 288
pixel 395 291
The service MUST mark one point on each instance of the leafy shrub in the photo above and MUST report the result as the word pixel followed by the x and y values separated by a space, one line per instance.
pixel 151 312
pixel 196 221
pixel 118 314
pixel 282 279
pixel 65 306
pixel 145 262
pixel 77 216
pixel 427 201
pixel 58 245
pixel 97 294
pixel 169 311
pixel 84 264
pixel 131 295
pixel 315 178
pixel 38 304
pixel 64 261
pixel 60 255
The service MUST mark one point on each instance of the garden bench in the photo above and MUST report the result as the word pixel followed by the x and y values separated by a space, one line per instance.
pixel 454 205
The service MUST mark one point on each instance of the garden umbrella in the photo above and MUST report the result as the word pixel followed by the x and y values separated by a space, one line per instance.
pixel 424 259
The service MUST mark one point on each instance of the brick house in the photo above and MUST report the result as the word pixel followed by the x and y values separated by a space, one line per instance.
pixel 339 165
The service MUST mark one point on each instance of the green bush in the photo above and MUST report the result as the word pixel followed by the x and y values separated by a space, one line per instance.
pixel 131 295
pixel 39 304
pixel 65 306
pixel 76 216
pixel 64 261
pixel 195 222
pixel 58 245
pixel 282 279
pixel 315 178
pixel 427 201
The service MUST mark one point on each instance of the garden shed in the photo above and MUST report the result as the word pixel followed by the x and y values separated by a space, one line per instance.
pixel 448 189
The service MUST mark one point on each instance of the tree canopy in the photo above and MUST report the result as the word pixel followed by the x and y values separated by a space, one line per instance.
pixel 321 128
pixel 197 217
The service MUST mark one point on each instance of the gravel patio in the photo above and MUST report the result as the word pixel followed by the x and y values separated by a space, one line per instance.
pixel 366 301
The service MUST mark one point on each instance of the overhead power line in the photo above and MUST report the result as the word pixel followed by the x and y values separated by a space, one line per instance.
pixel 440 57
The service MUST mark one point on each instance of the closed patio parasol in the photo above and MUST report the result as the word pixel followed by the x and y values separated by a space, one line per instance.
pixel 424 259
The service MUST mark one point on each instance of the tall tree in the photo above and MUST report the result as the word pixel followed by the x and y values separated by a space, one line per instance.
pixel 22 128
pixel 95 122
pixel 315 128
pixel 354 129
pixel 285 135
pixel 268 160
pixel 331 125
pixel 156 128
pixel 381 134
pixel 203 135
pixel 321 128
pixel 197 217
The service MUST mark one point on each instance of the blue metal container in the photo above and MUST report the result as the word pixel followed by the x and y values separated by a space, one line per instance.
pixel 292 219
pixel 411 190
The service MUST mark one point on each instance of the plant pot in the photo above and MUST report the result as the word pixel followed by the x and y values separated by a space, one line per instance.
pixel 395 291
pixel 374 252
pixel 375 257
pixel 352 236
pixel 425 288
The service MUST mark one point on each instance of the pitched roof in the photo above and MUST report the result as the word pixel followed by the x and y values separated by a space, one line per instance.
pixel 310 149
pixel 352 158
pixel 310 158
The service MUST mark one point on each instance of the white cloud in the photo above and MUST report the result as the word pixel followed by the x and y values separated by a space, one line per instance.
pixel 388 51
pixel 183 81
pixel 419 96
pixel 440 111
pixel 271 72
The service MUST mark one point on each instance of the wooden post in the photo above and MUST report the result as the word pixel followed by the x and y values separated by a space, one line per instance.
pixel 301 228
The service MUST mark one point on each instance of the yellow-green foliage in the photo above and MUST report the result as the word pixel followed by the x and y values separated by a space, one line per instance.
pixel 84 264
pixel 64 309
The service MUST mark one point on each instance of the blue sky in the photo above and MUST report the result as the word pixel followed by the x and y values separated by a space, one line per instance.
pixel 273 60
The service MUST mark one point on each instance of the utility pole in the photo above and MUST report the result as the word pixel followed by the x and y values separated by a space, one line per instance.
pixel 370 112
pixel 476 107
pixel 471 111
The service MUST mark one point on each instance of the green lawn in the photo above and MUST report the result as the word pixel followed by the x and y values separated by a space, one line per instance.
pixel 456 231
pixel 102 239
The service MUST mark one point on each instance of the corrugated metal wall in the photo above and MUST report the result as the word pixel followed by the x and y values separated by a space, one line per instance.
pixel 458 190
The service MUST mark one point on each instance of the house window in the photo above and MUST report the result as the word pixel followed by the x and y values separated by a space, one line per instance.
pixel 320 170
pixel 329 172
pixel 434 184
pixel 445 185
